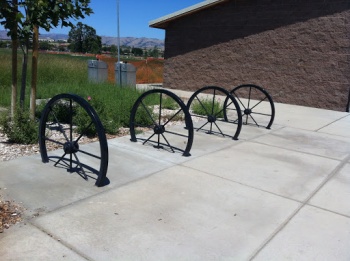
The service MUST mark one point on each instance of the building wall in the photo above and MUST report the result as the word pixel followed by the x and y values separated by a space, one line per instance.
pixel 298 50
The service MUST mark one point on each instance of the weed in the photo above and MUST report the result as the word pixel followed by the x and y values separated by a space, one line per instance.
pixel 208 107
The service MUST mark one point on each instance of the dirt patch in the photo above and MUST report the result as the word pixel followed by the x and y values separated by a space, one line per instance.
pixel 10 214
pixel 147 71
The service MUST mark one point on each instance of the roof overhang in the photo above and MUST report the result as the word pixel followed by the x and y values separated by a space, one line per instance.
pixel 163 21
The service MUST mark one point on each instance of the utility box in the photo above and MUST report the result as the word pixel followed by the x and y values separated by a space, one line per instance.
pixel 125 74
pixel 97 71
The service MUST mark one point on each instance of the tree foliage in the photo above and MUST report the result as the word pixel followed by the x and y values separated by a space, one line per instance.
pixel 45 46
pixel 22 17
pixel 83 39
pixel 154 52
pixel 46 14
pixel 137 51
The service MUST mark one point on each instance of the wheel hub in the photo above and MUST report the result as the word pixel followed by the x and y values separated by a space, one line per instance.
pixel 159 129
pixel 70 147
pixel 211 118
pixel 247 111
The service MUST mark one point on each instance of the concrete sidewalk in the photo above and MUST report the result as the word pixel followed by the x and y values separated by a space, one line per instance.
pixel 279 194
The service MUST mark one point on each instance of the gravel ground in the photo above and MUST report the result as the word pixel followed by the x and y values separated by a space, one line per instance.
pixel 10 151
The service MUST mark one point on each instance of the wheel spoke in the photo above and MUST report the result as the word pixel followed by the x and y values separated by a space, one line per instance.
pixel 211 127
pixel 70 161
pixel 149 114
pixel 254 120
pixel 61 158
pixel 89 154
pixel 177 134
pixel 264 114
pixel 237 98
pixel 83 132
pixel 234 122
pixel 81 166
pixel 61 129
pixel 171 147
pixel 54 141
pixel 258 103
pixel 148 138
pixel 201 116
pixel 229 105
pixel 250 92
pixel 219 129
pixel 221 111
pixel 172 117
pixel 158 137
pixel 213 103
pixel 202 105
pixel 71 121
pixel 203 126
pixel 160 108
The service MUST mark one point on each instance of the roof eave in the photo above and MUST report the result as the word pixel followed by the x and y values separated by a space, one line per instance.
pixel 163 21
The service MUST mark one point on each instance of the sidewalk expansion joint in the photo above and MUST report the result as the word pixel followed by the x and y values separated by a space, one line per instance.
pixel 331 123
pixel 304 203
pixel 60 241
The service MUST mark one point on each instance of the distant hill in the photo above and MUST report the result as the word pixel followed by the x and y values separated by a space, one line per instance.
pixel 142 42
pixel 3 35
pixel 134 42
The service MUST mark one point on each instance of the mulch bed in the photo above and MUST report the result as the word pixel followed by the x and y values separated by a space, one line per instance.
pixel 10 214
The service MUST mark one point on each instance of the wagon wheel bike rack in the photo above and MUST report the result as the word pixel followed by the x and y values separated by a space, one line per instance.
pixel 208 104
pixel 67 120
pixel 151 112
pixel 257 105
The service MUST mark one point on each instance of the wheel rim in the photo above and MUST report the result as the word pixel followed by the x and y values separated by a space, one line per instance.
pixel 208 106
pixel 66 124
pixel 257 105
pixel 150 113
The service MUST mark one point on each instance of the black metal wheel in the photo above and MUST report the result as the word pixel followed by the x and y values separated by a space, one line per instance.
pixel 158 118
pixel 256 103
pixel 208 110
pixel 71 136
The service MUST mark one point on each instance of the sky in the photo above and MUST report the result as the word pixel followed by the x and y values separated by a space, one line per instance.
pixel 134 16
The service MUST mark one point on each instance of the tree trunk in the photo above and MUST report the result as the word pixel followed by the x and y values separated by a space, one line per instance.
pixel 14 77
pixel 14 39
pixel 24 74
pixel 34 71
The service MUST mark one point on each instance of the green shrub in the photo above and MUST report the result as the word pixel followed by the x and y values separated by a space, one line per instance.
pixel 143 116
pixel 169 103
pixel 61 113
pixel 110 124
pixel 206 107
pixel 21 129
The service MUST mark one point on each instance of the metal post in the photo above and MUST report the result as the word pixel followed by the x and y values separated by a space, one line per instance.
pixel 348 105
pixel 119 65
